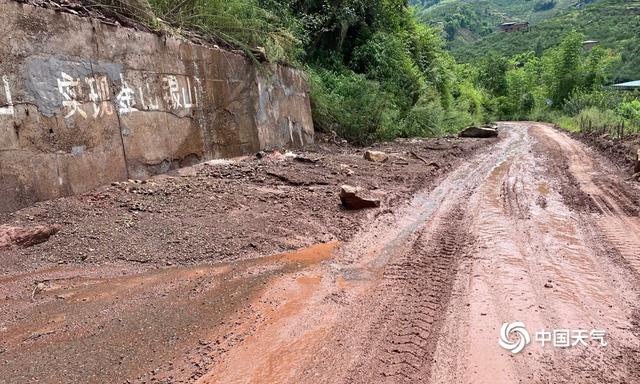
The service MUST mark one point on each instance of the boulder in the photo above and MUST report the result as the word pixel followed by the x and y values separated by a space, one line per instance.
pixel 376 156
pixel 26 237
pixel 479 132
pixel 351 200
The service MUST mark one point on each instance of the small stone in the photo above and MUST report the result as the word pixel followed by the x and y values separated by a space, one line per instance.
pixel 376 156
pixel 351 200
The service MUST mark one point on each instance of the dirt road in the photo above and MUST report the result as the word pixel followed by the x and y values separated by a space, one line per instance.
pixel 535 228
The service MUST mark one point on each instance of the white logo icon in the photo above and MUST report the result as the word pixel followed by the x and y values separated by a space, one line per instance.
pixel 514 346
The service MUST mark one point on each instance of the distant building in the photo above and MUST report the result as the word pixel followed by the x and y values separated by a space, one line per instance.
pixel 630 86
pixel 589 44
pixel 514 26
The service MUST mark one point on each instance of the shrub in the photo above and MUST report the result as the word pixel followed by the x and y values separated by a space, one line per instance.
pixel 630 110
pixel 240 23
pixel 580 100
pixel 597 120
pixel 385 58
pixel 425 119
pixel 544 5
pixel 353 106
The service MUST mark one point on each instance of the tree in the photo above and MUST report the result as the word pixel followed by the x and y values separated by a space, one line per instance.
pixel 492 76
pixel 562 68
pixel 568 68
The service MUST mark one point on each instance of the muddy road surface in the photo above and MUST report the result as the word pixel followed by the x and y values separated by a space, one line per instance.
pixel 533 229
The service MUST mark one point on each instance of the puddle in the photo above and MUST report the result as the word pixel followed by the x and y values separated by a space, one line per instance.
pixel 306 256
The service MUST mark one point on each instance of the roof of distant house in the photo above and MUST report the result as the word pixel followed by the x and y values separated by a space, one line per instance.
pixel 628 85
pixel 590 42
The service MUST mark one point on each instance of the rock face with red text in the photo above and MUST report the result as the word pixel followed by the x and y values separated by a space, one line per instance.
pixel 86 104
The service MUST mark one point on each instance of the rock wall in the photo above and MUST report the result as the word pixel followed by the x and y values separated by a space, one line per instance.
pixel 84 103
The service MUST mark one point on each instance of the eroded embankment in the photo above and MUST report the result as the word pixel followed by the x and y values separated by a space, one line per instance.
pixel 84 103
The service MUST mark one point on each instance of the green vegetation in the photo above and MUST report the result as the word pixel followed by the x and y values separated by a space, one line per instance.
pixel 467 21
pixel 545 74
pixel 564 85
pixel 615 24
pixel 462 23
pixel 378 72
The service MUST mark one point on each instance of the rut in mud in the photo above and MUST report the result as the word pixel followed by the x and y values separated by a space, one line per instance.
pixel 535 228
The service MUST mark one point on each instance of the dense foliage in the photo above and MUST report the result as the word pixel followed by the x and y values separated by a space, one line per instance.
pixel 546 73
pixel 565 84
pixel 377 71
pixel 489 14
pixel 614 23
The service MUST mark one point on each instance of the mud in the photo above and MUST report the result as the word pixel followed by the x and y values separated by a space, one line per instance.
pixel 422 296
pixel 160 279
pixel 622 152
pixel 532 227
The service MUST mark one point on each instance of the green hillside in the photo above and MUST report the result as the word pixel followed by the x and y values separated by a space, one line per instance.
pixel 377 70
pixel 615 23
pixel 533 11
pixel 464 22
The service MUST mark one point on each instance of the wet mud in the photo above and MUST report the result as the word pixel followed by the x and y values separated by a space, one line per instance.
pixel 535 228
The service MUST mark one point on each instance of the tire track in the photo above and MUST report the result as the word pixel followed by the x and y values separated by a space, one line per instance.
pixel 420 283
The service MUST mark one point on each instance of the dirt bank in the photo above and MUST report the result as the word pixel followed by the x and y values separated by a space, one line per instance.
pixel 622 153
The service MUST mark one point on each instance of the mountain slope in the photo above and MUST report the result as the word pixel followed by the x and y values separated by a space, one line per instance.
pixel 464 22
pixel 615 23
pixel 529 10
